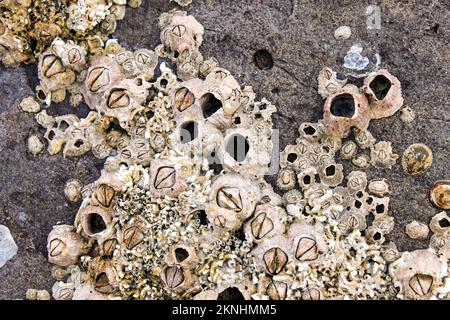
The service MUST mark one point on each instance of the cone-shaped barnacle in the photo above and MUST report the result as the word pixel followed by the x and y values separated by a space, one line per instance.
pixel 440 194
pixel 182 254
pixel 232 200
pixel 356 181
pixel 265 223
pixel 273 254
pixel 418 273
pixel 286 179
pixel 328 82
pixel 331 174
pixel 96 222
pixel 349 149
pixel 72 190
pixel 35 144
pixel 72 56
pixel 294 202
pixel 166 178
pixel 362 161
pixel 417 230
pixel 382 156
pixel 389 252
pixel 146 62
pixel 178 279
pixel 440 223
pixel 379 187
pixel 64 245
pixel 306 241
pixel 103 73
pixel 245 151
pixel 292 155
pixel 307 178
pixel 380 206
pixel 104 275
pixel 54 75
pixel 345 109
pixel 417 158
pixel 440 242
pixel 384 92
pixel 363 138
pixel 309 132
pixel 352 220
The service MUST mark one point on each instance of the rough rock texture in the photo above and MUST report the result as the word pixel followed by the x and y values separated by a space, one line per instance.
pixel 413 44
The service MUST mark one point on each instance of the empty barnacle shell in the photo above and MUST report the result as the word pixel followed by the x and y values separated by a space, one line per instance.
pixel 418 273
pixel 96 222
pixel 331 174
pixel 184 255
pixel 345 109
pixel 72 190
pixel 328 82
pixel 380 206
pixel 286 179
pixel 379 187
pixel 349 149
pixel 64 245
pixel 35 144
pixel 384 92
pixel 440 223
pixel 29 104
pixel 309 132
pixel 382 156
pixel 440 194
pixel 307 178
pixel 407 114
pixel 417 158
pixel 417 230
pixel 104 275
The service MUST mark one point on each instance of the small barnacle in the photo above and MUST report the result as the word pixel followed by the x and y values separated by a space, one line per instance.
pixel 64 245
pixel 96 222
pixel 345 109
pixel 309 132
pixel 382 156
pixel 380 206
pixel 63 291
pixel 379 187
pixel 29 104
pixel 72 190
pixel 265 224
pixel 331 174
pixel 440 194
pixel 407 114
pixel 441 244
pixel 440 223
pixel 33 294
pixel 342 33
pixel 363 138
pixel 416 159
pixel 307 178
pixel 356 181
pixel 362 161
pixel 59 273
pixel 417 230
pixel 384 92
pixel 277 290
pixel 328 82
pixel 390 252
pixel 286 179
pixel 311 293
pixel 349 149
pixel 132 236
pixel 35 144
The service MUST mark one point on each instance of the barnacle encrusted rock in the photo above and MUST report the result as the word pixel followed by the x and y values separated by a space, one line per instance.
pixel 417 158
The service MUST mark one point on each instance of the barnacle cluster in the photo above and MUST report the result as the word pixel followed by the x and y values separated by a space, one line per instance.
pixel 182 210
pixel 28 27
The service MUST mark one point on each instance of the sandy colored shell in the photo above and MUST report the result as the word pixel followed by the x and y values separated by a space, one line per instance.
pixel 417 230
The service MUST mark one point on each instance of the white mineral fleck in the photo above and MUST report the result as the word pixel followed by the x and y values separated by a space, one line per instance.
pixel 342 33
pixel 8 248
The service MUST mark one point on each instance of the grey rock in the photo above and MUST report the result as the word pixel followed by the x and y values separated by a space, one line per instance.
pixel 8 248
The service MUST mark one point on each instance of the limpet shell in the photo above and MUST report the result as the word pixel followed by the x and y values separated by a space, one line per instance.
pixel 416 159
pixel 440 194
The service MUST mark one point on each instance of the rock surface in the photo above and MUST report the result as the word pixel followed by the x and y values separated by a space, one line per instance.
pixel 413 44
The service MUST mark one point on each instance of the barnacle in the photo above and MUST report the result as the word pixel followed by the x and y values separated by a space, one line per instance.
pixel 328 82
pixel 346 108
pixel 440 194
pixel 384 92
pixel 382 155
pixel 440 223
pixel 417 230
pixel 417 158
pixel 64 245
pixel 407 114
pixel 72 190
pixel 35 144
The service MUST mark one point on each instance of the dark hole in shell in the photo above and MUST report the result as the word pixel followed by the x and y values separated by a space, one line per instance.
pixel 343 105
pixel 380 85
pixel 231 293
pixel 309 130
pixel 379 208
pixel 210 105
pixel 291 157
pixel 188 132
pixel 181 254
pixel 330 171
pixel 96 224
pixel 444 223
